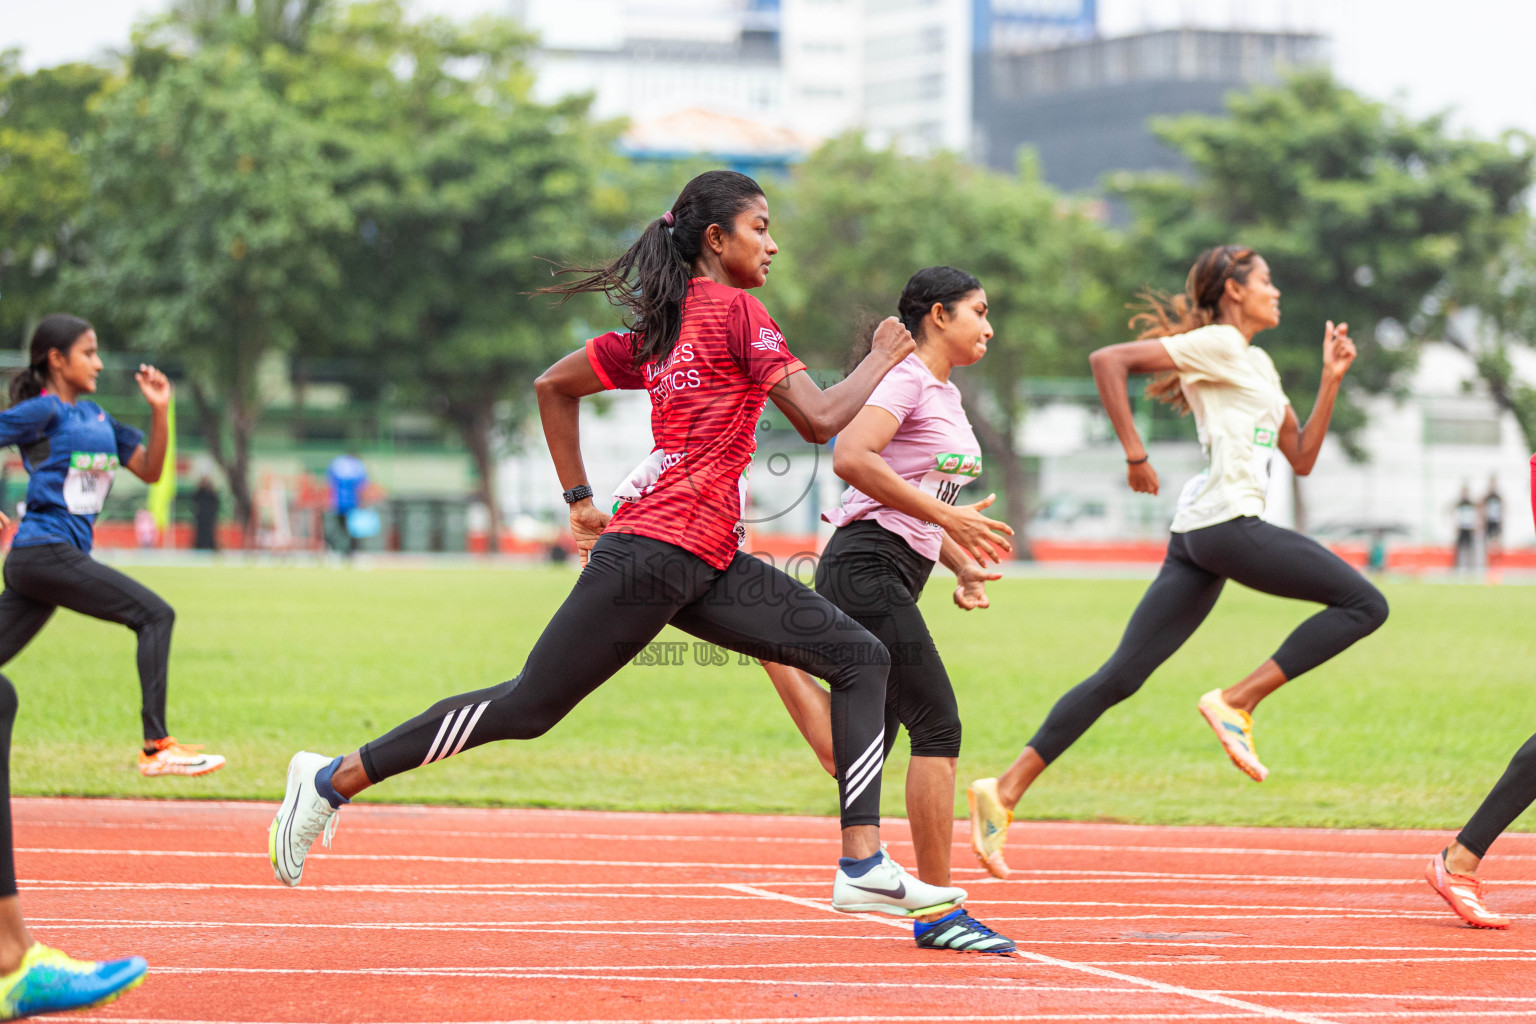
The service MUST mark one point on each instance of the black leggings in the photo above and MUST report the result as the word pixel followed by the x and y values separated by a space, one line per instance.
pixel 631 587
pixel 41 578
pixel 875 576
pixel 1508 799
pixel 1256 554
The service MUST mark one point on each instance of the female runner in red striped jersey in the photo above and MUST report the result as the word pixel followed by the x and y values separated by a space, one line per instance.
pixel 710 357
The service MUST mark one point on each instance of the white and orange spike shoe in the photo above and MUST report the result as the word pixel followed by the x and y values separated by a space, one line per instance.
pixel 1234 728
pixel 989 826
pixel 172 758
pixel 1463 892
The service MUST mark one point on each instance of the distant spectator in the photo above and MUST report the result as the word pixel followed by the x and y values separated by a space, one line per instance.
pixel 1493 520
pixel 1466 530
pixel 347 476
pixel 205 516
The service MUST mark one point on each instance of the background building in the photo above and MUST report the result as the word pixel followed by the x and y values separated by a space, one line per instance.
pixel 1084 106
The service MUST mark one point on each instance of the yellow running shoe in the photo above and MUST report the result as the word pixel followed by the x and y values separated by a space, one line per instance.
pixel 1234 728
pixel 989 825
pixel 48 981
pixel 172 758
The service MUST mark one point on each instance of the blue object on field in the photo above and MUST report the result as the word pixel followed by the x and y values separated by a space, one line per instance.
pixel 364 522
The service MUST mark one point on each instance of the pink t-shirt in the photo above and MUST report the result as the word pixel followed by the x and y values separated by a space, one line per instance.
pixel 934 450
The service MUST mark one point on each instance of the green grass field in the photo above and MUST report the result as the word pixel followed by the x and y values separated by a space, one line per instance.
pixel 1407 729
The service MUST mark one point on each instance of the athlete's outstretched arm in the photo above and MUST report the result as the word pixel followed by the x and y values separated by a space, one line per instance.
pixel 1112 366
pixel 147 463
pixel 819 415
pixel 1300 445
pixel 560 390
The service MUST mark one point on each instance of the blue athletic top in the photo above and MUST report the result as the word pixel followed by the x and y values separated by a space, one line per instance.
pixel 347 475
pixel 71 453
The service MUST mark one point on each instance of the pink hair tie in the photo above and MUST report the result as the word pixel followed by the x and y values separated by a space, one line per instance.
pixel 668 219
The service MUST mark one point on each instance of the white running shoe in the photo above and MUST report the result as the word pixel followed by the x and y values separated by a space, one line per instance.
pixel 303 817
pixel 887 889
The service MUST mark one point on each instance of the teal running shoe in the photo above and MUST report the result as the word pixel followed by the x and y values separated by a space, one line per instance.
pixel 962 933
pixel 48 981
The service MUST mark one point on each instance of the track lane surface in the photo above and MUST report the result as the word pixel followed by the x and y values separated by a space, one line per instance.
pixel 423 914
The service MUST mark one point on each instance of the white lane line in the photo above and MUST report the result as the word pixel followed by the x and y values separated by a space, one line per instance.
pixel 523 928
pixel 1037 940
pixel 585 970
pixel 426 890
pixel 1235 851
pixel 1435 1015
pixel 142 808
pixel 60 924
pixel 423 858
pixel 1019 988
pixel 672 921
pixel 1056 876
pixel 887 1019
pixel 1455 997
pixel 961 840
pixel 829 841
pixel 1207 961
pixel 1158 878
pixel 1157 986
pixel 882 1019
pixel 564 889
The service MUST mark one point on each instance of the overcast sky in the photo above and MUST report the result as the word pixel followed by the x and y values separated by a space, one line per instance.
pixel 1470 55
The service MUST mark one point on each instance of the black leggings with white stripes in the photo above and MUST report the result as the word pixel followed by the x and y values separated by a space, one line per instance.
pixel 1510 796
pixel 630 588
pixel 1268 558
pixel 876 577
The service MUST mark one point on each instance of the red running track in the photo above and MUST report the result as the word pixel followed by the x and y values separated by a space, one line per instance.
pixel 422 914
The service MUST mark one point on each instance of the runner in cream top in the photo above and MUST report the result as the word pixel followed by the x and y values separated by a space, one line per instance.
pixel 1235 394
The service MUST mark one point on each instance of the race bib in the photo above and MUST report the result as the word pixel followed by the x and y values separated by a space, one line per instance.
pixel 1263 454
pixel 643 478
pixel 88 481
pixel 950 473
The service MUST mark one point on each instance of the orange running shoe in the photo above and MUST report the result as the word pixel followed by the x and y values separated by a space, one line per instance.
pixel 1463 892
pixel 172 758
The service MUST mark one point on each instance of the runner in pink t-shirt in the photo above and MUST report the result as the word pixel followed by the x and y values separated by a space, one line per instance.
pixel 906 456
pixel 933 449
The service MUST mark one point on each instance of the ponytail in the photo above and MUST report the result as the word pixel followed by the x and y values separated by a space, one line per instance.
pixel 55 331
pixel 651 278
pixel 1163 316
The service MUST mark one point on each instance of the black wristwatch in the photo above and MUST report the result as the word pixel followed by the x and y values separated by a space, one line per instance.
pixel 576 493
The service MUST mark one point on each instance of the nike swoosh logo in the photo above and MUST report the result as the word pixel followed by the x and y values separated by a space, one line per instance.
pixel 895 894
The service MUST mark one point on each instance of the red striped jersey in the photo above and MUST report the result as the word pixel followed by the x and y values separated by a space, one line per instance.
pixel 706 396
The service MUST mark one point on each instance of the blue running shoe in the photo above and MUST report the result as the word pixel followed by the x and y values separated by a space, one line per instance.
pixel 48 981
pixel 962 933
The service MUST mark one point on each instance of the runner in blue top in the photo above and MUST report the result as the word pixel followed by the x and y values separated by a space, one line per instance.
pixel 71 448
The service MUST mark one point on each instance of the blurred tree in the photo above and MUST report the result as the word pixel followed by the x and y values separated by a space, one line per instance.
pixel 255 23
pixel 1364 214
pixel 459 188
pixel 857 222
pixel 211 227
pixel 44 119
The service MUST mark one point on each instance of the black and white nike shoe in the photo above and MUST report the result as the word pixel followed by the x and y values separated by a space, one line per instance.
pixel 887 889
pixel 962 933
